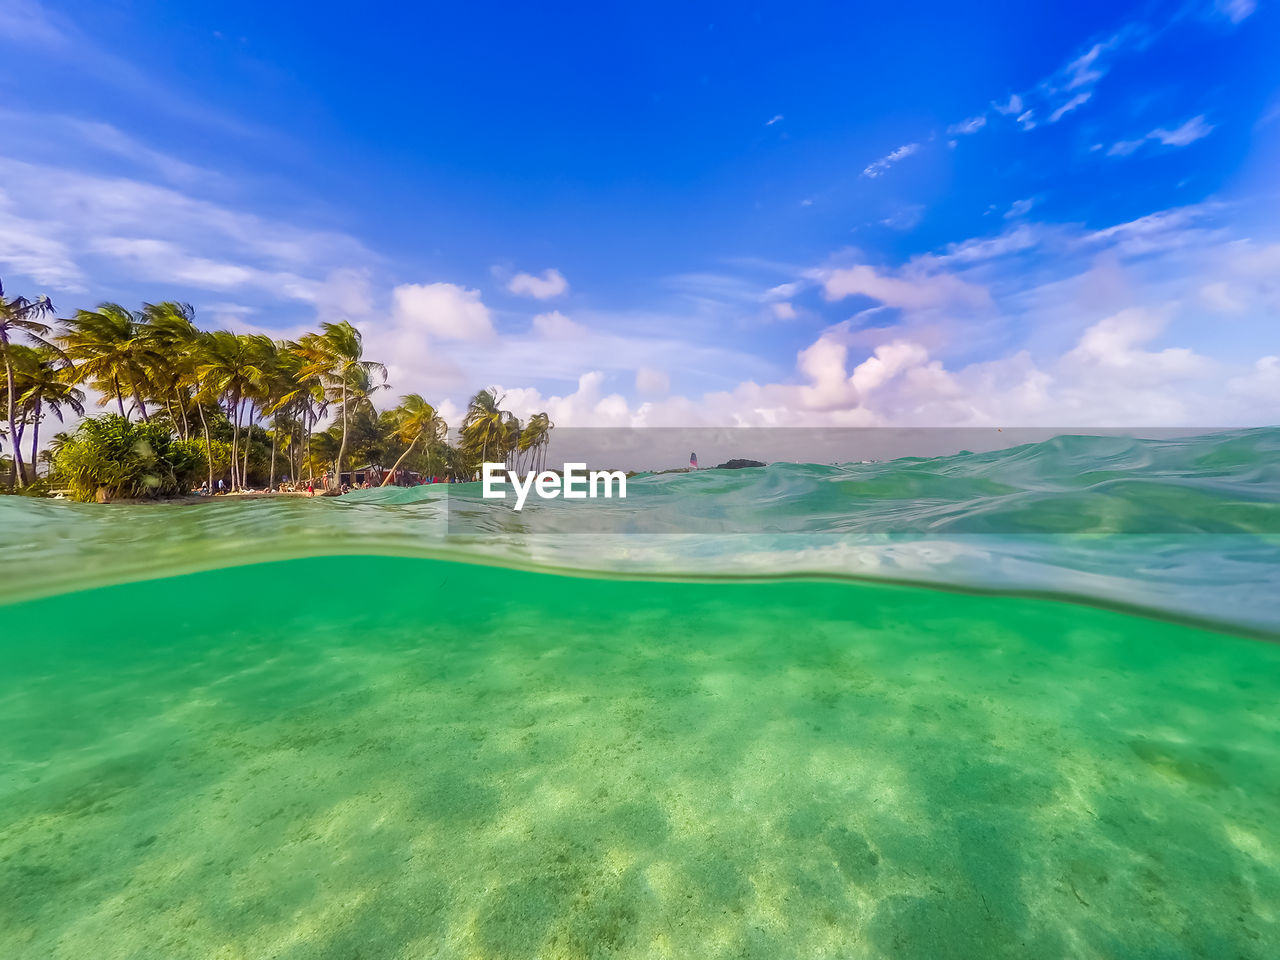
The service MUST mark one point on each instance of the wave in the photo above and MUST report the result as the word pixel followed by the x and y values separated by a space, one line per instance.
pixel 1186 527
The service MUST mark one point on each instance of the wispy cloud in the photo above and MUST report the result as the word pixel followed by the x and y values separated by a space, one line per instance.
pixel 777 118
pixel 878 167
pixel 1011 106
pixel 972 125
pixel 1194 129
pixel 1078 100
pixel 1236 10
pixel 1189 132
pixel 1019 208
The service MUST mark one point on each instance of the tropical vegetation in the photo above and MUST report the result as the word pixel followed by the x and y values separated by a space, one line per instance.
pixel 193 407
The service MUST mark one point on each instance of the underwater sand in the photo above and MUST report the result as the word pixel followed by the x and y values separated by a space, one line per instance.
pixel 404 758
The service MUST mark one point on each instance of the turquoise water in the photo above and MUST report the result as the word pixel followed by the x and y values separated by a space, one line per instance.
pixel 406 724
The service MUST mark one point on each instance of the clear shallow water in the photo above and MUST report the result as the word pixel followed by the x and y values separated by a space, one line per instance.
pixel 405 756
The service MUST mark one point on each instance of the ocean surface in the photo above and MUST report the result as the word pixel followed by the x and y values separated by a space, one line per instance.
pixel 1011 704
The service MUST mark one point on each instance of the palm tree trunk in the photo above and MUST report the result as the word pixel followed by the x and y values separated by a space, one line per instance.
pixel 208 444
pixel 35 437
pixel 16 479
pixel 142 407
pixel 271 483
pixel 235 438
pixel 342 450
pixel 387 478
pixel 115 381
pixel 248 441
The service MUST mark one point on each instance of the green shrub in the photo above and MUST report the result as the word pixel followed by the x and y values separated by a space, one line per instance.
pixel 124 459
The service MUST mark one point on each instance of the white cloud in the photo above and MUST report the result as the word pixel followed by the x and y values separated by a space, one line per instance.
pixel 28 248
pixel 441 310
pixel 783 311
pixel 911 289
pixel 1219 297
pixel 1015 239
pixel 651 382
pixel 972 125
pixel 1107 379
pixel 556 326
pixel 905 218
pixel 1122 148
pixel 1260 383
pixel 783 291
pixel 25 21
pixel 1236 10
pixel 1084 71
pixel 161 261
pixel 157 234
pixel 1012 106
pixel 777 118
pixel 1189 132
pixel 888 360
pixel 878 167
pixel 550 284
pixel 1114 344
pixel 1078 100
pixel 1019 208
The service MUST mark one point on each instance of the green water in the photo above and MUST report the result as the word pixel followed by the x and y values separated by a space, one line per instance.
pixel 414 756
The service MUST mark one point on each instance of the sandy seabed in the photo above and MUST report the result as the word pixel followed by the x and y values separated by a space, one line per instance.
pixel 402 758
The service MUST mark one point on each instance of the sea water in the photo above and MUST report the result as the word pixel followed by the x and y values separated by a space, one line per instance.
pixel 1008 705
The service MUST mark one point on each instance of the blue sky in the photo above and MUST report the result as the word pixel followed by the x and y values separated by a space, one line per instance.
pixel 790 213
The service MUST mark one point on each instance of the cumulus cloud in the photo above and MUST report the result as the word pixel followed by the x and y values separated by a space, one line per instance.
pixel 556 326
pixel 441 310
pixel 651 382
pixel 1115 343
pixel 878 167
pixel 550 284
pixel 783 311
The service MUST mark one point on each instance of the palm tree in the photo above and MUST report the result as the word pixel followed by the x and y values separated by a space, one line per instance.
pixel 335 356
pixel 112 353
pixel 304 398
pixel 416 419
pixel 19 315
pixel 170 331
pixel 230 368
pixel 43 385
pixel 483 425
pixel 535 437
